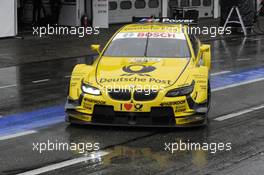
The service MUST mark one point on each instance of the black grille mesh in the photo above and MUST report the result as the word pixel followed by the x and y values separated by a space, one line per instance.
pixel 145 95
pixel 118 94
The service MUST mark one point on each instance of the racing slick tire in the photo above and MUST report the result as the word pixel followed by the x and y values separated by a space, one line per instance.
pixel 206 120
pixel 208 103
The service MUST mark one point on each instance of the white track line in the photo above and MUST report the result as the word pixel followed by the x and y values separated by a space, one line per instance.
pixel 235 114
pixel 220 73
pixel 244 59
pixel 8 86
pixel 66 163
pixel 67 76
pixel 237 84
pixel 255 39
pixel 17 135
pixel 216 61
pixel 41 81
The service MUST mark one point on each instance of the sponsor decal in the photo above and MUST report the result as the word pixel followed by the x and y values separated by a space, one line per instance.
pixel 135 80
pixel 87 106
pixel 75 78
pixel 180 108
pixel 161 35
pixel 180 102
pixel 99 102
pixel 203 87
pixel 73 84
pixel 144 60
pixel 122 79
pixel 201 81
pixel 199 76
pixel 156 35
pixel 129 106
pixel 138 107
pixel 168 20
pixel 181 121
pixel 202 84
pixel 138 69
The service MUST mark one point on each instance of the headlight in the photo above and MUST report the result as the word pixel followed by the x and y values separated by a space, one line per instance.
pixel 181 91
pixel 90 89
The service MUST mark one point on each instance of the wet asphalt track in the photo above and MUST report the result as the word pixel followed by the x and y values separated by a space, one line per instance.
pixel 33 86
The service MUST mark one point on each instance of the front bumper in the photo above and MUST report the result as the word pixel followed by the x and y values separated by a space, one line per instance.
pixel 158 117
pixel 171 112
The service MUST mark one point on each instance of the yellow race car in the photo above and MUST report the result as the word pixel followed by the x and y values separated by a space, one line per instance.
pixel 148 74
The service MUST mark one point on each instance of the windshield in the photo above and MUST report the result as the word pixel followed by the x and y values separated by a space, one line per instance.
pixel 149 44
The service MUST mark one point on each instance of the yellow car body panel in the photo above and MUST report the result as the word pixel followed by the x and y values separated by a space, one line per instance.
pixel 137 73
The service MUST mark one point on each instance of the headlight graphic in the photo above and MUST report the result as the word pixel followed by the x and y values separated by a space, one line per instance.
pixel 181 91
pixel 90 89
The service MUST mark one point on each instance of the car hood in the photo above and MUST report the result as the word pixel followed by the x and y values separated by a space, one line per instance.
pixel 124 71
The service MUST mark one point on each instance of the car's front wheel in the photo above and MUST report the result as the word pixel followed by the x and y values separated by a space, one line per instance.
pixel 208 102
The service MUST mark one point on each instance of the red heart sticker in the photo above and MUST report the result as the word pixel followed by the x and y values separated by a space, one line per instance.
pixel 128 106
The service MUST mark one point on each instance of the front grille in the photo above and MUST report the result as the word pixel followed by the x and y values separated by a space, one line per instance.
pixel 157 116
pixel 120 94
pixel 145 95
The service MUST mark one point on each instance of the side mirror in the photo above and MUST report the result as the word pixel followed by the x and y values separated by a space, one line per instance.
pixel 204 48
pixel 96 48
pixel 205 55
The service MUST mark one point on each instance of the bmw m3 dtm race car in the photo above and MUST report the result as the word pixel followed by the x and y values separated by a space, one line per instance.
pixel 148 74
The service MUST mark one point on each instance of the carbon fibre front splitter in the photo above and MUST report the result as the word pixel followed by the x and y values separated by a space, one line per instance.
pixel 71 118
